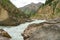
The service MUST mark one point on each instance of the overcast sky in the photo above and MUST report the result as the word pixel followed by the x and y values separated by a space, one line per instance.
pixel 21 3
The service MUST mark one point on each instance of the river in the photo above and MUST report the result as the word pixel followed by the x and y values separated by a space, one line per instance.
pixel 15 32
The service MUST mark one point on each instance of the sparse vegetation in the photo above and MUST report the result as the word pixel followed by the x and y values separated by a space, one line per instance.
pixel 7 5
pixel 31 9
pixel 58 10
pixel 15 16
pixel 50 10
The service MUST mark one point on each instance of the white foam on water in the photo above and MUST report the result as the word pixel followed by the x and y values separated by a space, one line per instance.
pixel 15 32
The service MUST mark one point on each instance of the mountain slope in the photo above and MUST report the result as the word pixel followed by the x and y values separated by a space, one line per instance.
pixel 30 9
pixel 50 10
pixel 9 14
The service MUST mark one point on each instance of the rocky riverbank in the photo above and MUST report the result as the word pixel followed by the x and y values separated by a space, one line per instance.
pixel 4 35
pixel 49 30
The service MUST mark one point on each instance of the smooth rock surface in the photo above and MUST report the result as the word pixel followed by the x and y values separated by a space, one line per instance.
pixel 49 30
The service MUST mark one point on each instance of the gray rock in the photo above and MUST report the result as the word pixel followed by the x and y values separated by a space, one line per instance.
pixel 49 30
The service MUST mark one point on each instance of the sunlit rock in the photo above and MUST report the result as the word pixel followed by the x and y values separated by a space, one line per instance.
pixel 49 30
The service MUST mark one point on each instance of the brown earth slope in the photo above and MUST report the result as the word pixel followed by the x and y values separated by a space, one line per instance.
pixel 10 15
pixel 50 10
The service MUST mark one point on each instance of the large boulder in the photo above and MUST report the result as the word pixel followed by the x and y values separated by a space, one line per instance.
pixel 49 30
pixel 4 35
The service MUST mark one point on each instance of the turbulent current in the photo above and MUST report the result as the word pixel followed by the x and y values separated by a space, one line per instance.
pixel 16 31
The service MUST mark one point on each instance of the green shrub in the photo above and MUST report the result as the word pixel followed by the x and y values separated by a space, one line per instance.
pixel 58 10
pixel 48 1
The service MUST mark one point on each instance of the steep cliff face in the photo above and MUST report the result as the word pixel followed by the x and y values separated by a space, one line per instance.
pixel 50 10
pixel 9 14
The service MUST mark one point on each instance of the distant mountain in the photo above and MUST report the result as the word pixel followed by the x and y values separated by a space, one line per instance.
pixel 30 9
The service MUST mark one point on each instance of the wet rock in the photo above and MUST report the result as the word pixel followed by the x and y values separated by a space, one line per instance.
pixel 4 38
pixel 4 33
pixel 49 30
pixel 29 20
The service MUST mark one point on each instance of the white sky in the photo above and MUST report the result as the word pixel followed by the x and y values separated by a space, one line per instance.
pixel 21 3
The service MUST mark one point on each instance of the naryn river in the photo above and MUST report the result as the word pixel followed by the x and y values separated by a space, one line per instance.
pixel 15 32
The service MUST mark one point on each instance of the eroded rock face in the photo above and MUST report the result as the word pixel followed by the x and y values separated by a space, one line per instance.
pixel 49 30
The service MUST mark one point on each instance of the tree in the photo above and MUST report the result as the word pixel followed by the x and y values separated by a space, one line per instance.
pixel 48 1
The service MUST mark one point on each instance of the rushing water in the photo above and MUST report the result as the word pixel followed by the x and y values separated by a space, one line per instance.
pixel 15 32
